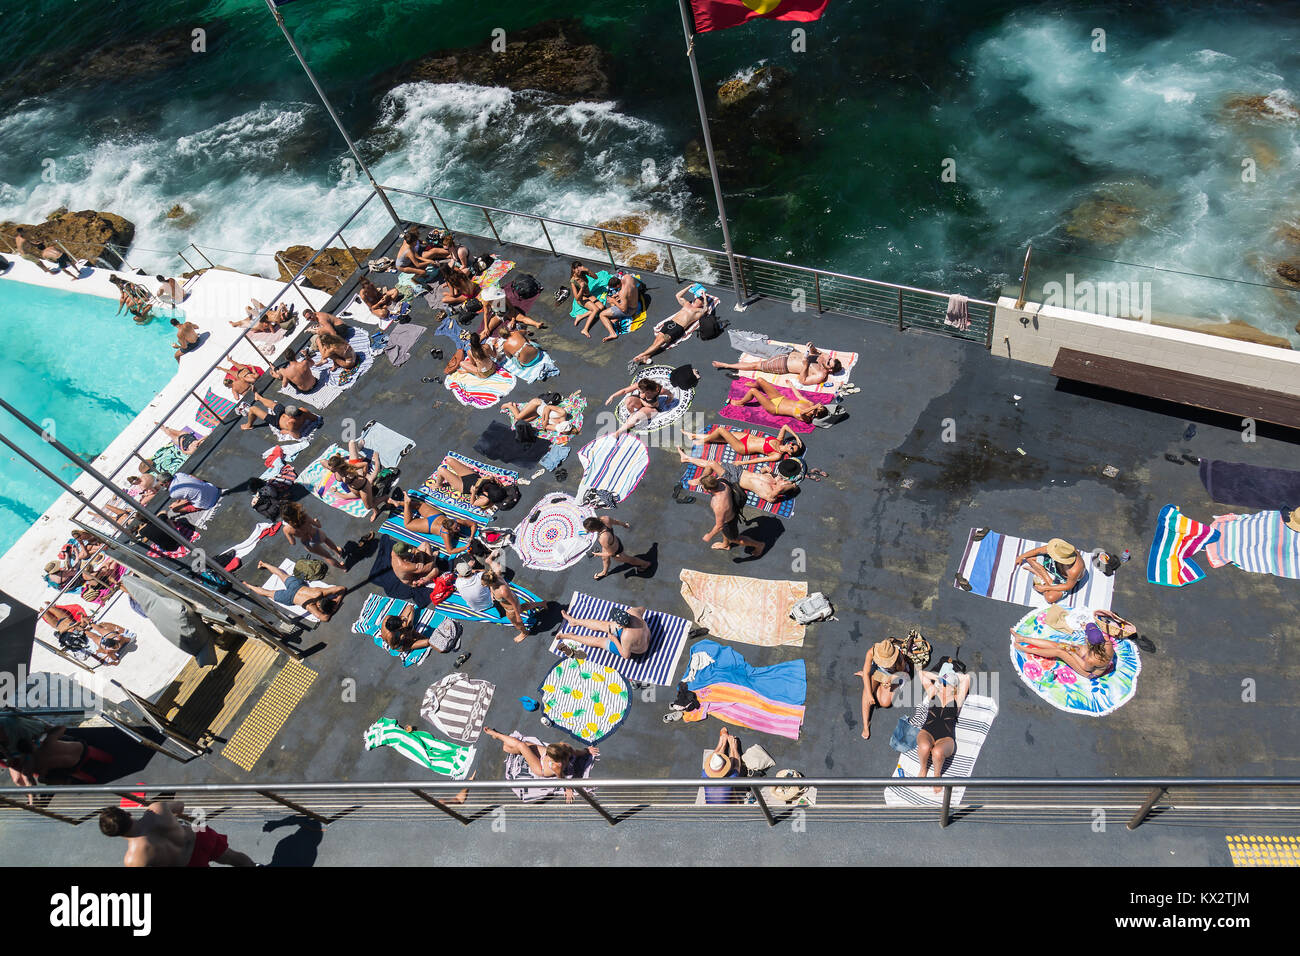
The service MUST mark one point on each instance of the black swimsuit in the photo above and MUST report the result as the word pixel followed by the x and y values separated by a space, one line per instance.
pixel 941 721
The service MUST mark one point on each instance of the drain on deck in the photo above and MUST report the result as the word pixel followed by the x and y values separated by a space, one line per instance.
pixel 255 734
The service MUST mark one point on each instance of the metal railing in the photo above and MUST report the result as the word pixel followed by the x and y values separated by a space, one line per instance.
pixel 1239 802
pixel 806 288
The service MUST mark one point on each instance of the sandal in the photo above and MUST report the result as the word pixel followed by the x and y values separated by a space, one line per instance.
pixel 461 660
pixel 672 715
pixel 961 583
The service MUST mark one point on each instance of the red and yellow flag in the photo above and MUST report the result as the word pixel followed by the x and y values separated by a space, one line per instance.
pixel 720 14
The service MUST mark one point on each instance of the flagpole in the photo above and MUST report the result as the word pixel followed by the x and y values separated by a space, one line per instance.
pixel 279 19
pixel 713 165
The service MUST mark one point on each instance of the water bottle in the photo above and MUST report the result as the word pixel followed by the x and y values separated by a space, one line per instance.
pixel 1125 556
pixel 546 721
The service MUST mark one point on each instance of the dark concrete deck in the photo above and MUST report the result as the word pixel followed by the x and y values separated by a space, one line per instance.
pixel 882 535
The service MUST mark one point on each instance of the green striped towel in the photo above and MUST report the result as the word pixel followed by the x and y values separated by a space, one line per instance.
pixel 452 760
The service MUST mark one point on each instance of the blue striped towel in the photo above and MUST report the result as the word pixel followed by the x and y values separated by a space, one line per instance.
pixel 456 504
pixel 656 665
pixel 378 607
pixel 613 464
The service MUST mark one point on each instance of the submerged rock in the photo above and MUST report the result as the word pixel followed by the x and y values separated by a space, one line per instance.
pixel 765 79
pixel 128 61
pixel 555 56
pixel 619 245
pixel 648 261
pixel 756 116
pixel 327 273
pixel 1275 107
pixel 1104 220
pixel 1289 272
pixel 180 217
pixel 86 234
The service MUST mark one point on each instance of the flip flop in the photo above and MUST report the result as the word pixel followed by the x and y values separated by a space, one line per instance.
pixel 462 659
pixel 961 582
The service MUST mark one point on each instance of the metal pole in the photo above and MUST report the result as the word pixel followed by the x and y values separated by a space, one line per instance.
pixel 438 212
pixel 152 519
pixel 672 262
pixel 708 148
pixel 1144 810
pixel 440 805
pixel 210 263
pixel 900 310
pixel 351 254
pixel 943 810
pixel 35 809
pixel 817 287
pixel 297 808
pixel 608 251
pixel 1024 278
pixel 758 798
pixel 548 238
pixel 595 806
pixel 329 107
pixel 495 234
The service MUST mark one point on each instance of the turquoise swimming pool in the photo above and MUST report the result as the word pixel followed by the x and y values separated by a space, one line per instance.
pixel 66 359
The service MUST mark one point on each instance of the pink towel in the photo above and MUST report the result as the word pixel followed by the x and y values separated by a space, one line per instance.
pixel 755 414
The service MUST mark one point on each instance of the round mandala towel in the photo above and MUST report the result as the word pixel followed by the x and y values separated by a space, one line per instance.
pixel 679 401
pixel 587 700
pixel 551 538
pixel 1060 685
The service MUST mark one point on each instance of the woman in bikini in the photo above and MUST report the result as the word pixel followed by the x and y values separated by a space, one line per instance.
pixel 625 634
pixel 1095 659
pixel 460 479
pixel 425 519
pixel 549 762
pixel 508 602
pixel 518 346
pixel 581 288
pixel 645 399
pixel 773 402
pixel 298 525
pixel 458 287
pixel 548 418
pixel 377 301
pixel 356 477
pixel 240 378
pixel 134 297
pixel 478 359
pixel 331 347
pixel 786 444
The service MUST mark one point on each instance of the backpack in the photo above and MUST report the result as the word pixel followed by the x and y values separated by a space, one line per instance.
pixel 811 609
pixel 309 569
pixel 385 480
pixel 551 398
pixel 446 636
pixel 511 499
pixel 710 326
pixel 270 499
pixel 686 699
pixel 74 642
pixel 481 263
pixel 684 377
pixel 526 286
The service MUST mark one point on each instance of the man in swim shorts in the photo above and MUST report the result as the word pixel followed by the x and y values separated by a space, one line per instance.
pixel 161 837
pixel 683 323
pixel 811 366
pixel 625 634
pixel 187 338
pixel 290 419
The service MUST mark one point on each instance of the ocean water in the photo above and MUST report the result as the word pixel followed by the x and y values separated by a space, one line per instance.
pixel 1034 120
pixel 72 366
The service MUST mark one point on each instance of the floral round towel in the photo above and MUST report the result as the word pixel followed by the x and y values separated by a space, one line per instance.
pixel 587 700
pixel 1060 685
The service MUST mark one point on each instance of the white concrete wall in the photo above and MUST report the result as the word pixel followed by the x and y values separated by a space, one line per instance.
pixel 1036 333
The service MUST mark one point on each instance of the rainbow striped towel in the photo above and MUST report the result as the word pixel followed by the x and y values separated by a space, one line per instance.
pixel 770 699
pixel 475 392
pixel 371 619
pixel 1177 538
pixel 321 482
pixel 1259 543
pixel 213 410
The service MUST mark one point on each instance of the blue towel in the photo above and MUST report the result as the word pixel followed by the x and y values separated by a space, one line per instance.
pixel 785 683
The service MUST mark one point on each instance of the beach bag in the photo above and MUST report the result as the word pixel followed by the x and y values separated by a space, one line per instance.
pixel 74 642
pixel 710 326
pixel 465 312
pixel 446 636
pixel 904 736
pixel 443 587
pixel 916 649
pixel 811 609
pixel 383 264
pixel 309 569
pixel 511 499
pixel 686 699
pixel 550 398
pixel 684 378
pixel 834 415
pixel 526 286
pixel 481 263
pixel 385 480
pixel 270 499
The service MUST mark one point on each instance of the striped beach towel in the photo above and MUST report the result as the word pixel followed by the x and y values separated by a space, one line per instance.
pixel 456 608
pixel 755 414
pixel 322 483
pixel 394 528
pixel 332 382
pixel 448 759
pixel 213 410
pixel 770 699
pixel 655 666
pixel 457 706
pixel 475 392
pixel 1177 538
pixel 831 386
pixel 613 463
pixel 517 769
pixel 989 567
pixel 587 700
pixel 974 722
pixel 457 504
pixel 724 453
pixel 1260 543
pixel 371 619
pixel 675 401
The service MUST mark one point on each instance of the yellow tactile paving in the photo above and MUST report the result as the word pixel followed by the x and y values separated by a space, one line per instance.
pixel 255 734
pixel 1249 850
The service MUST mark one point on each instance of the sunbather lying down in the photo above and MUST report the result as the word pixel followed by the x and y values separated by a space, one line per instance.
pixel 773 402
pixel 811 365
pixel 752 449
pixel 547 418
pixel 763 482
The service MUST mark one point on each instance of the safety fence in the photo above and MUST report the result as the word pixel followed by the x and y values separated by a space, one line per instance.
pixel 1101 804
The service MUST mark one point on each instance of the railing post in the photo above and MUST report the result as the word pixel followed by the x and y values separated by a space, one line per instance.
pixel 762 805
pixel 187 262
pixel 943 808
pixel 817 285
pixel 672 262
pixel 988 334
pixel 491 226
pixel 547 234
pixel 352 255
pixel 608 251
pixel 1024 278
pixel 1144 811
pixel 440 805
pixel 437 212
pixel 595 806
pixel 297 808
pixel 900 310
pixel 35 809
pixel 744 282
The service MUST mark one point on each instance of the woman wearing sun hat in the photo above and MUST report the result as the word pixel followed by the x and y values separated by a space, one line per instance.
pixel 1059 570
pixel 884 670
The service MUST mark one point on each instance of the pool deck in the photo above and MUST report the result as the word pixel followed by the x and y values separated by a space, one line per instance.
pixel 882 537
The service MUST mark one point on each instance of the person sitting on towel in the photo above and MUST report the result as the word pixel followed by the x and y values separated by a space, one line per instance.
pixel 884 671
pixel 414 257
pixel 191 494
pixel 546 418
pixel 646 398
pixel 1096 660
pixel 355 476
pixel 937 740
pixel 483 491
pixel 333 348
pixel 320 603
pixel 290 419
pixel 502 317
pixel 298 373
pixel 377 301
pixel 272 320
pixel 579 285
pixel 682 324
pixel 1057 565
pixel 478 360
pixel 811 367
pixel 458 287
pixel 423 518
pixel 325 322
pixel 625 634
pixel 763 483
pixel 548 762
pixel 514 344
pixel 414 567
pixel 769 397
pixel 398 631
